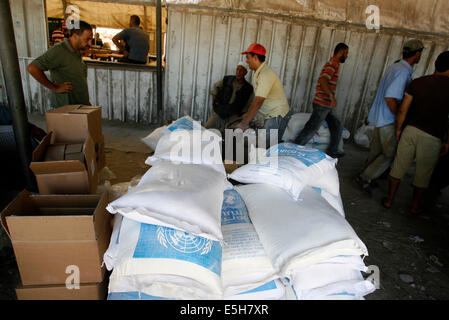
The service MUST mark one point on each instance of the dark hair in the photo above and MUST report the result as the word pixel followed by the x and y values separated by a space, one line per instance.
pixel 136 20
pixel 341 46
pixel 83 26
pixel 442 62
pixel 261 57
pixel 408 54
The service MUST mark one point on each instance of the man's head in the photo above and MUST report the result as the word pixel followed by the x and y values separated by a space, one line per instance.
pixel 255 55
pixel 341 52
pixel 134 21
pixel 442 63
pixel 412 51
pixel 81 38
pixel 241 71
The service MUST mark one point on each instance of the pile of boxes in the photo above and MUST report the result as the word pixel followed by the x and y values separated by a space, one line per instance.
pixel 59 236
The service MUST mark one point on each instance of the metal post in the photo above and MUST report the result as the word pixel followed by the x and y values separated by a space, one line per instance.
pixel 159 60
pixel 14 89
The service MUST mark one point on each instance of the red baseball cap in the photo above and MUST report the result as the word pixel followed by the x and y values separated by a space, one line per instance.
pixel 256 48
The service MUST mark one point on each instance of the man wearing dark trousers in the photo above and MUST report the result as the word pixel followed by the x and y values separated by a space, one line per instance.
pixel 325 103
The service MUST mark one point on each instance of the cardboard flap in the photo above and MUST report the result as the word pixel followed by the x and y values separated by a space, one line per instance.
pixel 16 205
pixel 52 167
pixel 39 153
pixel 89 152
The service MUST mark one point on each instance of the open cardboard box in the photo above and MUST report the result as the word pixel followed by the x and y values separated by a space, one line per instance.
pixel 74 123
pixel 86 291
pixel 67 176
pixel 52 233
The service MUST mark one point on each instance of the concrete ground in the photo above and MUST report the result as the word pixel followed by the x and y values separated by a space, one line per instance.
pixel 410 252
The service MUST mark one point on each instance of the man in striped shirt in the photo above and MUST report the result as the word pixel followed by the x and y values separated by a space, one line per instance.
pixel 133 42
pixel 324 104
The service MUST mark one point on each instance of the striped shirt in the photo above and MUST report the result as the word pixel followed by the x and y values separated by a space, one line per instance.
pixel 137 41
pixel 330 72
pixel 57 36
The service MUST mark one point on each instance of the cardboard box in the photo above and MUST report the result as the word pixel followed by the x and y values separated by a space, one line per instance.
pixel 74 123
pixel 230 167
pixel 88 291
pixel 52 233
pixel 76 175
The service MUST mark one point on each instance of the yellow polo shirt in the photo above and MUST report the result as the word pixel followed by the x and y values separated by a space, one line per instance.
pixel 267 85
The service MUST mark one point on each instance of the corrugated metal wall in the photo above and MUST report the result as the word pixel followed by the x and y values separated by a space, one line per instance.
pixel 203 46
pixel 125 94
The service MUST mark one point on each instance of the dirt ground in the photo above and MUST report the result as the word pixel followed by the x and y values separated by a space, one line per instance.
pixel 410 252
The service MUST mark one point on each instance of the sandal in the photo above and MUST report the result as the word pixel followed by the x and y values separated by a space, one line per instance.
pixel 384 200
pixel 364 185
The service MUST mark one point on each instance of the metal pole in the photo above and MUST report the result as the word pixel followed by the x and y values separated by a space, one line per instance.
pixel 14 89
pixel 159 60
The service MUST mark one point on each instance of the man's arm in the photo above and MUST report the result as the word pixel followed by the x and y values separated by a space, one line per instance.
pixel 252 111
pixel 402 113
pixel 40 76
pixel 392 104
pixel 324 83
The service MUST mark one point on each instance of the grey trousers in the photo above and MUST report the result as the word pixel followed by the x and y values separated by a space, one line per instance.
pixel 382 152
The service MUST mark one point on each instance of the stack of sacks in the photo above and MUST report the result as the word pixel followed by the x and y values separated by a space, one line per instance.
pixel 304 240
pixel 247 272
pixel 177 203
pixel 294 203
pixel 293 167
pixel 320 140
pixel 155 262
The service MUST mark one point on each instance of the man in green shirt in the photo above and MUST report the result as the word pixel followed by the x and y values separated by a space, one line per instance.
pixel 68 72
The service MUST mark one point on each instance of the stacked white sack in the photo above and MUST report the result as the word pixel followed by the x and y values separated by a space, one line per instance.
pixel 297 235
pixel 293 167
pixel 185 197
pixel 245 265
pixel 186 141
pixel 320 140
pixel 273 290
pixel 155 262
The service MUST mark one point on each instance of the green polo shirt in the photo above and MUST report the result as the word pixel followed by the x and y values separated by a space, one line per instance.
pixel 65 64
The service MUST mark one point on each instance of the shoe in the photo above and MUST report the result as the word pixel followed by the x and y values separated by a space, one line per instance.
pixel 364 185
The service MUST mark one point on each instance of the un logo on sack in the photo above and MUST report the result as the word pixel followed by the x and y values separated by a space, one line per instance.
pixel 182 241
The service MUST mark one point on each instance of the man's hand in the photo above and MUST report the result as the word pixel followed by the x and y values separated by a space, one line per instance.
pixel 398 134
pixel 444 149
pixel 242 125
pixel 64 87
pixel 333 101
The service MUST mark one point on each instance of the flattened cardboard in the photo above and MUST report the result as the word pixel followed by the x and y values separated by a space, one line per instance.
pixel 51 232
pixel 65 176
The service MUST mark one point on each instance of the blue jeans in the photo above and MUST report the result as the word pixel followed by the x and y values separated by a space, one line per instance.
pixel 278 123
pixel 319 114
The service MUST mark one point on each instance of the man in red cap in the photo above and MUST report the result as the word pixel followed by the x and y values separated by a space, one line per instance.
pixel 269 109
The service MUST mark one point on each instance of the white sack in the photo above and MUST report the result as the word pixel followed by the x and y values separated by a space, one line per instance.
pixel 297 234
pixel 345 290
pixel 273 290
pixel 153 138
pixel 328 272
pixel 185 197
pixel 189 147
pixel 164 262
pixel 245 264
pixel 292 167
pixel 364 135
